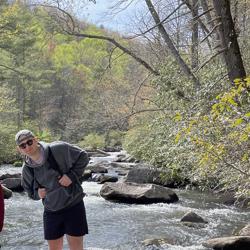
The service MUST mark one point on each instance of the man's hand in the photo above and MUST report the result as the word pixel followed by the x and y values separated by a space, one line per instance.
pixel 41 193
pixel 65 180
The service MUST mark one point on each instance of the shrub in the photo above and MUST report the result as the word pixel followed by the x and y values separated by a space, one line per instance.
pixel 93 141
pixel 114 138
pixel 8 150
pixel 221 139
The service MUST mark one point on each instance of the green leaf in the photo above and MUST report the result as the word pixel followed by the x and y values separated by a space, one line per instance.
pixel 237 122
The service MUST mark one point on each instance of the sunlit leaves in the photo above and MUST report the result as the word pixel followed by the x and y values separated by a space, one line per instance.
pixel 222 137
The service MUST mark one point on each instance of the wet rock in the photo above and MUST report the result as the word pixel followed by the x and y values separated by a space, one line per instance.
pixel 122 168
pixel 13 184
pixel 107 178
pixel 9 175
pixel 245 231
pixel 228 243
pixel 191 217
pixel 137 193
pixel 157 242
pixel 98 168
pixel 126 158
pixel 229 199
pixel 86 175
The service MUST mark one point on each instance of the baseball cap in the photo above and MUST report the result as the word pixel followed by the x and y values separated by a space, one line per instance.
pixel 22 135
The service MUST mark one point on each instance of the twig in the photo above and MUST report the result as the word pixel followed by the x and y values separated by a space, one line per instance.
pixel 209 59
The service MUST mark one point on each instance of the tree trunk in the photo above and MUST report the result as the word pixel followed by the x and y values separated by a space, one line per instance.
pixel 228 39
pixel 210 21
pixel 20 102
pixel 195 35
pixel 171 46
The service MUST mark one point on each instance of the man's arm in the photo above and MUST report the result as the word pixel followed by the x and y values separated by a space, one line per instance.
pixel 79 160
pixel 29 184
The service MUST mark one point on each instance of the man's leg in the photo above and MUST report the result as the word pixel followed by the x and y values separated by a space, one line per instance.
pixel 56 244
pixel 75 224
pixel 75 242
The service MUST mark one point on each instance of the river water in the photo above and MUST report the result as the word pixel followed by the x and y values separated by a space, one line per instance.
pixel 117 226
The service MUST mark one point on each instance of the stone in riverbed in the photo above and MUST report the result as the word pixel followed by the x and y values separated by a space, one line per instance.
pixel 13 184
pixel 158 242
pixel 137 193
pixel 229 243
pixel 193 218
pixel 245 231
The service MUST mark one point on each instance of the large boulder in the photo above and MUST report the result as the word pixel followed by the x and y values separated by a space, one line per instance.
pixel 137 193
pixel 229 199
pixel 147 174
pixel 228 243
pixel 13 184
pixel 191 219
pixel 9 175
pixel 99 167
pixel 245 231
pixel 107 178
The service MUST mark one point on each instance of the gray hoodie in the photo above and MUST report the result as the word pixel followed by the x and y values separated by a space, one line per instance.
pixel 72 161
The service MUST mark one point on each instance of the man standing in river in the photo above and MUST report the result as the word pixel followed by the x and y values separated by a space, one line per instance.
pixel 51 172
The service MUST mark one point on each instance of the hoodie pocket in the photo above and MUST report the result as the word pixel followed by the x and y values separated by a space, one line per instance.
pixel 60 198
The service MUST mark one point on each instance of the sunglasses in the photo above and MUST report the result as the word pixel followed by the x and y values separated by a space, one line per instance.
pixel 27 143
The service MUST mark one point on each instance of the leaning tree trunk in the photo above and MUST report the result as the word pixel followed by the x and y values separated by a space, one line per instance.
pixel 228 39
pixel 171 46
pixel 21 103
pixel 195 35
pixel 210 21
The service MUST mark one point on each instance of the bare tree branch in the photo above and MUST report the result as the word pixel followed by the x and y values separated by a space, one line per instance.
pixel 210 33
pixel 137 92
pixel 71 31
pixel 124 49
pixel 156 25
pixel 12 69
pixel 171 46
pixel 210 58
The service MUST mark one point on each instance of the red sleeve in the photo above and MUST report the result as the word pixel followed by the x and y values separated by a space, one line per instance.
pixel 1 208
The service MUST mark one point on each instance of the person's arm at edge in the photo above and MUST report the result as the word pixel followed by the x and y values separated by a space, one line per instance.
pixel 1 208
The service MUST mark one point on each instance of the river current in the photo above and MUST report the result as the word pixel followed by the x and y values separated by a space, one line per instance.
pixel 117 226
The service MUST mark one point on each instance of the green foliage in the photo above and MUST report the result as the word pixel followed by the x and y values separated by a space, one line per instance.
pixel 18 164
pixel 221 139
pixel 114 138
pixel 44 135
pixel 153 142
pixel 92 141
pixel 208 148
pixel 8 151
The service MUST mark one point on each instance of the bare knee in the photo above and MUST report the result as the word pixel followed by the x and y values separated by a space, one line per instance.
pixel 75 242
pixel 56 244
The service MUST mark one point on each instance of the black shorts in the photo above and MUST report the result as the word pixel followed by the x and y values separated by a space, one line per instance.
pixel 71 221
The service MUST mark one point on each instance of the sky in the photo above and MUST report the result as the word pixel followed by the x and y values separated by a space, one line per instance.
pixel 101 13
